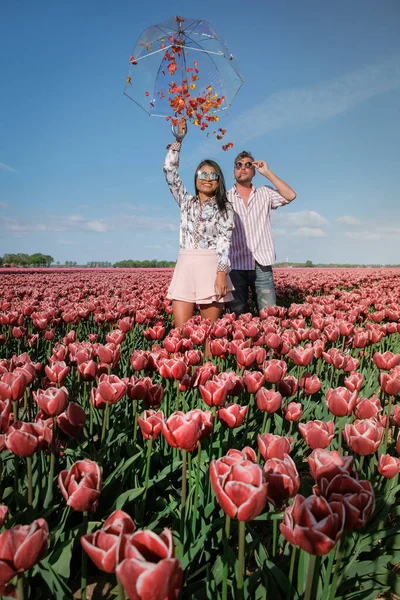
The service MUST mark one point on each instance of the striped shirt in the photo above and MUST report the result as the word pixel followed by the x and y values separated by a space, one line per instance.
pixel 252 237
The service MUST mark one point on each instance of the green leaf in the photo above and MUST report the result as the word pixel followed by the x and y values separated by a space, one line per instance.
pixel 128 496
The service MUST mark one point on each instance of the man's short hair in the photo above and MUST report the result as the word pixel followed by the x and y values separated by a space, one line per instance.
pixel 244 154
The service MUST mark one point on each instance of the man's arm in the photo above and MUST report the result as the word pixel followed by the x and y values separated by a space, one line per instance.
pixel 282 187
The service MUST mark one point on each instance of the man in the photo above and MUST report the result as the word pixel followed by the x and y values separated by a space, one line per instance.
pixel 252 249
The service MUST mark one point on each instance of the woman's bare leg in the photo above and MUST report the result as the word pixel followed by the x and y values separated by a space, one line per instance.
pixel 183 311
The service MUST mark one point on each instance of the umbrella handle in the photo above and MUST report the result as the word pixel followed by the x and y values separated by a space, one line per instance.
pixel 178 137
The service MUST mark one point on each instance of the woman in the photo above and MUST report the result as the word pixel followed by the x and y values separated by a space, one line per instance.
pixel 207 220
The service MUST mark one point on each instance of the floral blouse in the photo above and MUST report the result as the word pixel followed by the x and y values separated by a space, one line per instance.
pixel 202 226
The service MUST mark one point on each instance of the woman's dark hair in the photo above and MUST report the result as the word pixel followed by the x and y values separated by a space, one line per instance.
pixel 220 192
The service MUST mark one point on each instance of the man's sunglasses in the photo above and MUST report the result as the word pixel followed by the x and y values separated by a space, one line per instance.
pixel 203 175
pixel 247 165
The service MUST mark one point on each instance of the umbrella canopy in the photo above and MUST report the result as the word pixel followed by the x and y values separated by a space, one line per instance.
pixel 179 67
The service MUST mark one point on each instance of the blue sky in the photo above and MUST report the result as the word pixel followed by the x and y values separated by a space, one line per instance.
pixel 81 166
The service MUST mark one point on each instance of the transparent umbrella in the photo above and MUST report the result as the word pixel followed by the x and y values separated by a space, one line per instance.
pixel 180 66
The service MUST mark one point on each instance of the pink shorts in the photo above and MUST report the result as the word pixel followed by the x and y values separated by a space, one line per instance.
pixel 194 277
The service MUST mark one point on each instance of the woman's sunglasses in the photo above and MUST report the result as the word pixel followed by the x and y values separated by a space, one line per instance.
pixel 203 175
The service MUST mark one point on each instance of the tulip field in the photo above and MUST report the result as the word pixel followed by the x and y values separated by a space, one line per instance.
pixel 257 457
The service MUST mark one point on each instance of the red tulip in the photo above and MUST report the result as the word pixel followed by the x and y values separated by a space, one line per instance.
pixel 116 337
pixel 282 479
pixel 205 420
pixel 139 360
pixel 317 434
pixel 172 368
pixel 12 386
pixel 293 411
pixel 81 484
pixel 367 408
pixel 181 432
pixel 341 401
pixel 313 524
pixel 232 415
pixel 386 361
pixel 105 546
pixel 204 373
pixel 388 466
pixel 137 387
pixel 214 392
pixel 357 497
pixel 193 357
pixel 151 424
pixel 87 370
pixel 57 371
pixel 288 386
pixel 268 400
pixel 329 463
pixel 389 382
pixel 274 370
pixel 302 356
pixel 273 446
pixel 3 514
pixel 253 381
pixel 354 382
pixel 52 401
pixel 21 547
pixel 154 396
pixel 73 420
pixel 245 357
pixel 24 439
pixel 363 436
pixel 310 383
pixel 109 353
pixel 150 571
pixel 239 487
pixel 111 388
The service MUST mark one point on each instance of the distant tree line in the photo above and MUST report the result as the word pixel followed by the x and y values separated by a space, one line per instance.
pixel 45 260
pixel 145 264
pixel 27 260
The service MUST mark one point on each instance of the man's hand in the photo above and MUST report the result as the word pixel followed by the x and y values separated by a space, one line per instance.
pixel 262 167
pixel 221 286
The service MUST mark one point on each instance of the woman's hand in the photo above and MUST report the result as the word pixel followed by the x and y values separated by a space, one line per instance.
pixel 221 285
pixel 182 127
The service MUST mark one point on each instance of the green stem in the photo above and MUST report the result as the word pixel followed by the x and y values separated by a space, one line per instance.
pixel 291 571
pixel 338 564
pixel 177 395
pixel 183 494
pixel 361 463
pixel 84 559
pixel 196 492
pixel 328 572
pixel 121 591
pixel 387 426
pixel 340 435
pixel 20 587
pixel 274 536
pixel 29 470
pixel 49 494
pixel 225 558
pixel 241 561
pixel 146 479
pixel 105 417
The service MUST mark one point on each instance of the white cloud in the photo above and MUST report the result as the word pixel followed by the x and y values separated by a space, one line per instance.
pixel 4 167
pixel 366 236
pixel 3 204
pixel 306 218
pixel 100 226
pixel 310 232
pixel 348 220
pixel 76 218
pixel 300 106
